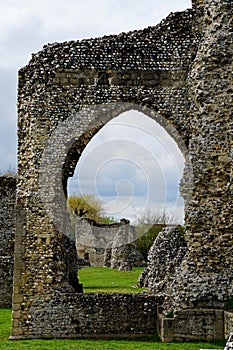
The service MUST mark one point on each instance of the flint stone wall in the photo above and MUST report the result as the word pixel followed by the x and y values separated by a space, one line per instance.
pixel 121 253
pixel 207 268
pixel 107 245
pixel 6 281
pixel 165 256
pixel 144 70
pixel 91 315
pixel 178 73
pixel 126 257
pixel 7 235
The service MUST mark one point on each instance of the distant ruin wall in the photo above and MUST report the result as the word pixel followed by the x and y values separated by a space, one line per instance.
pixel 92 239
pixel 107 245
pixel 7 233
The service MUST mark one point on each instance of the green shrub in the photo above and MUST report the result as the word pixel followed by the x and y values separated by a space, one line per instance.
pixel 144 242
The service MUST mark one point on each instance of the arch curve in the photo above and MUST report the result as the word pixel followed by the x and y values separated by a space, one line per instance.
pixel 66 144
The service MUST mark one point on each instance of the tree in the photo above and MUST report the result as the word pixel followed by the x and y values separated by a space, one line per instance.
pixel 144 242
pixel 10 172
pixel 148 227
pixel 86 206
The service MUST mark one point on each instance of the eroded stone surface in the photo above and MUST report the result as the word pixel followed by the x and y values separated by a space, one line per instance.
pixel 165 256
pixel 124 255
pixel 7 232
pixel 206 272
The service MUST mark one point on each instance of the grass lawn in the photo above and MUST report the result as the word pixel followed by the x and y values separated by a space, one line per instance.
pixel 104 279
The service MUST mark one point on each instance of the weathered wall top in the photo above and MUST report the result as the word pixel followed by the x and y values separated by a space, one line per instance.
pixel 196 3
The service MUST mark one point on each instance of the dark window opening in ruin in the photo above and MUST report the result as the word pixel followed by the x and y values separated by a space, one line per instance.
pixel 86 256
pixel 133 167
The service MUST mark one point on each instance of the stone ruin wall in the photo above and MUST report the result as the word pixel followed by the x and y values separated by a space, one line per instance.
pixel 146 68
pixel 92 239
pixel 164 258
pixel 7 233
pixel 102 245
pixel 170 72
pixel 122 253
pixel 207 264
pixel 92 315
pixel 207 268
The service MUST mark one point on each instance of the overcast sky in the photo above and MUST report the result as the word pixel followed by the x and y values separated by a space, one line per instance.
pixel 133 166
pixel 27 25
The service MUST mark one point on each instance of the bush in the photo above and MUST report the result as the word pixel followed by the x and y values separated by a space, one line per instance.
pixel 144 242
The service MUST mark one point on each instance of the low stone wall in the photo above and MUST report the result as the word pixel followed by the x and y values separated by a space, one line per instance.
pixel 192 325
pixel 228 323
pixel 91 315
pixel 199 324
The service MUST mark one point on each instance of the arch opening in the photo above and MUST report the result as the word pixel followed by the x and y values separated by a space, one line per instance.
pixel 133 167
pixel 129 157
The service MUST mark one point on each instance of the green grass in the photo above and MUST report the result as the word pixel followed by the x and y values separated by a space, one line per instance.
pixel 104 279
pixel 148 343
